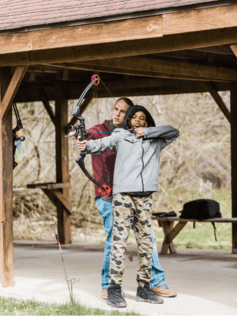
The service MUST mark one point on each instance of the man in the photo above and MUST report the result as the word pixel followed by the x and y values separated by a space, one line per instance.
pixel 103 169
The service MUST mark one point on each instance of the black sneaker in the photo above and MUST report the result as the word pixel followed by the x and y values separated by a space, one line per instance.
pixel 145 294
pixel 115 298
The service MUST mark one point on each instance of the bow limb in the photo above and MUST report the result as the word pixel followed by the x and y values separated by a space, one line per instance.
pixel 104 189
pixel 81 129
pixel 81 164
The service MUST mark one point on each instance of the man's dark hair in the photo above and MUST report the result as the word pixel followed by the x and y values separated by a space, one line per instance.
pixel 126 100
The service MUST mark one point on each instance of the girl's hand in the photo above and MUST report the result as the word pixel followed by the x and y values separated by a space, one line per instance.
pixel 139 132
pixel 73 133
pixel 81 145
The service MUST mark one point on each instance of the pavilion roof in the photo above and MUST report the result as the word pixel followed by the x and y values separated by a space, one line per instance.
pixel 25 15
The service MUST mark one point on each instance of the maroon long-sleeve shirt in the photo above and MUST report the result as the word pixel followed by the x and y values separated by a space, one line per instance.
pixel 103 163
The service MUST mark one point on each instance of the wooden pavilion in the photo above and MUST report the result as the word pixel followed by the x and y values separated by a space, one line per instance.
pixel 49 49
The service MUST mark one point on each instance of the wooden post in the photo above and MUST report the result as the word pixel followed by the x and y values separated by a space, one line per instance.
pixel 62 162
pixel 6 187
pixel 233 110
pixel 214 93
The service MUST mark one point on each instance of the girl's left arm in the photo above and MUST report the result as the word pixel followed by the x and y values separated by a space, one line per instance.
pixel 166 133
pixel 102 144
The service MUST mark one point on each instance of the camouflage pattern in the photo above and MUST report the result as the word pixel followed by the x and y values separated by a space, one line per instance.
pixel 131 211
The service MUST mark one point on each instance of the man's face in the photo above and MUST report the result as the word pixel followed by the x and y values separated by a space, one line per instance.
pixel 119 112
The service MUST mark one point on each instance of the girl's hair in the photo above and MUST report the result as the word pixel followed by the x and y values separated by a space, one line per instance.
pixel 132 110
pixel 126 100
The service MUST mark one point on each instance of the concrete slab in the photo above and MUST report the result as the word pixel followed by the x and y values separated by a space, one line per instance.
pixel 205 280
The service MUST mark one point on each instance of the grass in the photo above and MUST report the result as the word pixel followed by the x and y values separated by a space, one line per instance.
pixel 13 307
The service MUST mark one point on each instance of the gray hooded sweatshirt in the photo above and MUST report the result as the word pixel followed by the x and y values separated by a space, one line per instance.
pixel 137 160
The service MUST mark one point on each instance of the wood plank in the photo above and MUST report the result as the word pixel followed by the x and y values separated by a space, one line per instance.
pixel 133 87
pixel 51 196
pixel 105 67
pixel 62 162
pixel 233 110
pixel 122 49
pixel 153 27
pixel 216 220
pixel 6 187
pixel 56 197
pixel 200 20
pixel 218 100
pixel 170 236
pixel 234 49
pixel 175 231
pixel 45 101
pixel 52 186
pixel 88 34
pixel 158 67
pixel 167 66
pixel 167 227
pixel 48 185
pixel 12 90
pixel 64 201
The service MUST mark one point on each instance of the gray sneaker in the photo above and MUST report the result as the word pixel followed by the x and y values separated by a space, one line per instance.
pixel 115 298
pixel 145 294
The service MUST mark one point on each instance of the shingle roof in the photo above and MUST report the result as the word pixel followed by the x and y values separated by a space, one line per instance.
pixel 24 14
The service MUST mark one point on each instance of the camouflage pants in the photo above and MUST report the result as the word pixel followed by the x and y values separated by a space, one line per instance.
pixel 131 211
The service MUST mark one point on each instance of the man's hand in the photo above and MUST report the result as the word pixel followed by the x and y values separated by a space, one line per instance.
pixel 81 145
pixel 139 132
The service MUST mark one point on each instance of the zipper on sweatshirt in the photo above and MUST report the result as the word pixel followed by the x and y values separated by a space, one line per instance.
pixel 142 169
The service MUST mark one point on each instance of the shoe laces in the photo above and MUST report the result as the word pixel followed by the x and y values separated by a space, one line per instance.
pixel 117 293
pixel 149 292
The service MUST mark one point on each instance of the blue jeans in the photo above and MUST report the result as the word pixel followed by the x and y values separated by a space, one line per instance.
pixel 157 273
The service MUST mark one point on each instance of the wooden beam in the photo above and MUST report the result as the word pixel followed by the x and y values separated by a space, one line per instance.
pixel 139 86
pixel 233 110
pixel 234 49
pixel 45 101
pixel 167 227
pixel 158 67
pixel 170 235
pixel 122 49
pixel 62 162
pixel 172 67
pixel 87 34
pixel 6 187
pixel 49 186
pixel 153 27
pixel 12 90
pixel 89 97
pixel 64 201
pixel 123 71
pixel 218 100
pixel 200 20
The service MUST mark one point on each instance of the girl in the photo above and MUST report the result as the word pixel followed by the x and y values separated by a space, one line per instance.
pixel 135 179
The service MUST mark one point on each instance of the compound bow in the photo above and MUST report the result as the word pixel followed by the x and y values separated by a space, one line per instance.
pixel 16 139
pixel 81 129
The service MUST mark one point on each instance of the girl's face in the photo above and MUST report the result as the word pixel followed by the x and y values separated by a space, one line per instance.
pixel 138 120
